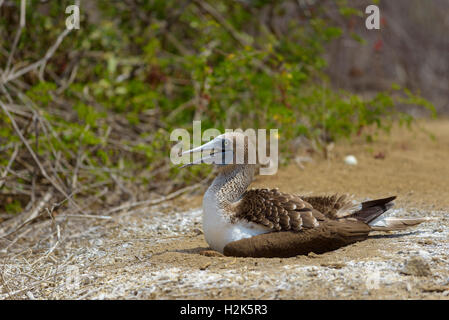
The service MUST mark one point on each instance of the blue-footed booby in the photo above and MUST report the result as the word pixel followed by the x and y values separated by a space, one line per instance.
pixel 270 223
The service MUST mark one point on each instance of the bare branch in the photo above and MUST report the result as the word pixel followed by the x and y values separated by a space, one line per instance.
pixel 222 21
pixel 18 34
pixel 152 202
pixel 27 217
pixel 38 64
pixel 8 167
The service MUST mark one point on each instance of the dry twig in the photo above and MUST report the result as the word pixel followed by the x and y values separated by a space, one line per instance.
pixel 152 202
pixel 26 217
pixel 8 167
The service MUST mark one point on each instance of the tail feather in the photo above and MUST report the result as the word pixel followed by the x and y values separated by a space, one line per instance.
pixel 377 202
pixel 391 224
pixel 371 213
pixel 373 209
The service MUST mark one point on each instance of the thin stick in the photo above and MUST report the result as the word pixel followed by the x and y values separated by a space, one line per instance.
pixel 221 20
pixel 67 83
pixel 5 285
pixel 82 216
pixel 18 34
pixel 34 284
pixel 40 63
pixel 153 201
pixel 8 167
pixel 15 240
pixel 15 109
pixel 34 214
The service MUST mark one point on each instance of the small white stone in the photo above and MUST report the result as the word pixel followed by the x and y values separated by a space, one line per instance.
pixel 424 254
pixel 351 160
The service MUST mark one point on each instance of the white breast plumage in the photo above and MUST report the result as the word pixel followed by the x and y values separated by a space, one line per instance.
pixel 217 227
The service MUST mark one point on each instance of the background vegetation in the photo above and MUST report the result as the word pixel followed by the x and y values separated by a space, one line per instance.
pixel 87 114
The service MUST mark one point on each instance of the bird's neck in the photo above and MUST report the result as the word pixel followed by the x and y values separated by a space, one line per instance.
pixel 231 183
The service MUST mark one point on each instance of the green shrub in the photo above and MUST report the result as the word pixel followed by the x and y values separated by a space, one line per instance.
pixel 144 68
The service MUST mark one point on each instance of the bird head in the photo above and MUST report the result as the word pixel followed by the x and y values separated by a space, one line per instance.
pixel 231 148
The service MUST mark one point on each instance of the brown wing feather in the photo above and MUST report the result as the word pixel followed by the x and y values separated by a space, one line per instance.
pixel 276 210
pixel 282 212
pixel 332 207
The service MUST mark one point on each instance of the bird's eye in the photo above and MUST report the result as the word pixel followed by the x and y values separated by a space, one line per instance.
pixel 226 142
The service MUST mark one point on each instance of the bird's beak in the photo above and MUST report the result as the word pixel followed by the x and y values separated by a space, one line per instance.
pixel 217 156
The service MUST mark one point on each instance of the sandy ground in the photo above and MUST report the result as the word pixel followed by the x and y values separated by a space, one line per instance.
pixel 153 253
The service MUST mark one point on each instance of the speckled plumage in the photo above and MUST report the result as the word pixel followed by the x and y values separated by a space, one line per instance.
pixel 275 210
